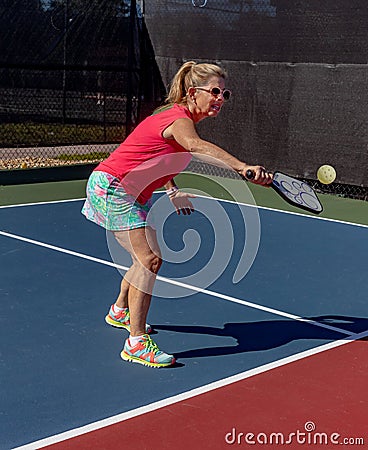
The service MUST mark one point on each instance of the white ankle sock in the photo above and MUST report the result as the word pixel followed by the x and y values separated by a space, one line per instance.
pixel 116 309
pixel 133 340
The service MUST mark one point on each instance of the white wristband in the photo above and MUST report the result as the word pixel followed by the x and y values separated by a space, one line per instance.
pixel 172 191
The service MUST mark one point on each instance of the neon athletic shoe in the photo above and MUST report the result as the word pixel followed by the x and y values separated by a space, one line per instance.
pixel 122 320
pixel 147 353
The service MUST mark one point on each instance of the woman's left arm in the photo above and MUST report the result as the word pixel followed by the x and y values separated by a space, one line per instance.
pixel 184 132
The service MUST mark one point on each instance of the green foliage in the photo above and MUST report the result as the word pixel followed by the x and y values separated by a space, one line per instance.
pixel 57 134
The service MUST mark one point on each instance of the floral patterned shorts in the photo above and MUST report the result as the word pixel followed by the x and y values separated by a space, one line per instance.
pixel 108 205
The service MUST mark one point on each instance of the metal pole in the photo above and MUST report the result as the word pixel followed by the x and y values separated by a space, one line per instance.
pixel 131 47
pixel 66 18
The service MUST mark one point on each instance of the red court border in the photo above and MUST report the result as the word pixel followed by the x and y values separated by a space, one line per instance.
pixel 327 391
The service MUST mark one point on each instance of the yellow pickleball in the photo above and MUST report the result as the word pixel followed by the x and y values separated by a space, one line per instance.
pixel 326 174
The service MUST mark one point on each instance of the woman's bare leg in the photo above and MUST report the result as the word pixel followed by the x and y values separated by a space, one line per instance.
pixel 137 285
pixel 122 300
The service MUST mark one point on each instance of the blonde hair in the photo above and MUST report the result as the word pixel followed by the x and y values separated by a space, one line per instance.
pixel 191 74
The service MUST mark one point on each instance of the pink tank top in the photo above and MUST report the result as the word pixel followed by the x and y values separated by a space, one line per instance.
pixel 146 161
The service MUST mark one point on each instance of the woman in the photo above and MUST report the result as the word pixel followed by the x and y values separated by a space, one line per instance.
pixel 119 193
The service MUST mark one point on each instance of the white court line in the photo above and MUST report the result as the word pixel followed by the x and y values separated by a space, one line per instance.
pixel 282 211
pixel 250 205
pixel 187 395
pixel 50 202
pixel 179 284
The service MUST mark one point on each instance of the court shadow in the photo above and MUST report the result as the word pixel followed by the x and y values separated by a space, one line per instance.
pixel 352 324
pixel 266 335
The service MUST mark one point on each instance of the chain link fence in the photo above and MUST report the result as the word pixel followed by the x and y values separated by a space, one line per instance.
pixel 76 83
pixel 87 71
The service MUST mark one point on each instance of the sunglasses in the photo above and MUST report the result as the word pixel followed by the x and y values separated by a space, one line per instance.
pixel 216 91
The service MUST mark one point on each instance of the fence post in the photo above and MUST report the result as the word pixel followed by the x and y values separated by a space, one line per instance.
pixel 66 20
pixel 131 49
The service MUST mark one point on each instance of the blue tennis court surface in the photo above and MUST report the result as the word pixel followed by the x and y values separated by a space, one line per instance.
pixel 60 364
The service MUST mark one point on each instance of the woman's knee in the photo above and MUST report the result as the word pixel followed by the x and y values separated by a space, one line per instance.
pixel 143 248
pixel 151 262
